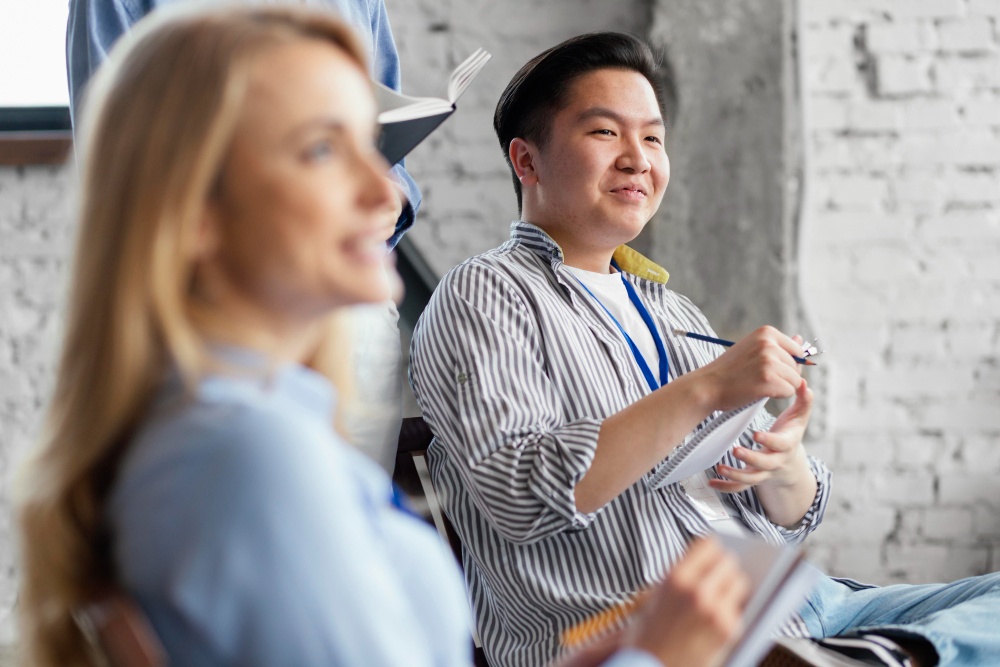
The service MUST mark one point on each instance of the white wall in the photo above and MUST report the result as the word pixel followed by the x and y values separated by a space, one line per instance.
pixel 34 250
pixel 901 266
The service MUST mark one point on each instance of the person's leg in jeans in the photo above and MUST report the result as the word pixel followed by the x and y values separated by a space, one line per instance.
pixel 960 620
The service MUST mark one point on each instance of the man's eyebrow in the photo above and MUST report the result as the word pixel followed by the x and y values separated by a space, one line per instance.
pixel 604 112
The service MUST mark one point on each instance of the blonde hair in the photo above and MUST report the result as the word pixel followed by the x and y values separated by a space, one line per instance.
pixel 159 118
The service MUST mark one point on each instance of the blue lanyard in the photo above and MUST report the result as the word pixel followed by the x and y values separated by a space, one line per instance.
pixel 399 500
pixel 648 319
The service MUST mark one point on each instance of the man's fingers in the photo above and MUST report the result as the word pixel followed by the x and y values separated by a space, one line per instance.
pixel 774 440
pixel 762 460
pixel 800 408
pixel 744 475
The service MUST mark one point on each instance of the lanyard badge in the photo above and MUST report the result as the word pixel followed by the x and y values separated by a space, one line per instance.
pixel 633 296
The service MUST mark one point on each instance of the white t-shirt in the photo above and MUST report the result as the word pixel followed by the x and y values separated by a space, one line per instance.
pixel 611 292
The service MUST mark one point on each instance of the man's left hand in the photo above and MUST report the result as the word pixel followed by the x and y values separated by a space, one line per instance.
pixel 781 461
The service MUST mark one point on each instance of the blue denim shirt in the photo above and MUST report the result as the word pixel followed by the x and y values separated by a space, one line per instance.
pixel 95 25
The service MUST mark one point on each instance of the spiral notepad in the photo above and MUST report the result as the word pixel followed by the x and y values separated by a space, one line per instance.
pixel 708 445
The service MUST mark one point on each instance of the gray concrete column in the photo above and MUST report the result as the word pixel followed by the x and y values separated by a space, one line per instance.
pixel 727 227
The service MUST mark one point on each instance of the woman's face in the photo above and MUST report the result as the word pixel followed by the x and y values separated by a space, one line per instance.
pixel 298 222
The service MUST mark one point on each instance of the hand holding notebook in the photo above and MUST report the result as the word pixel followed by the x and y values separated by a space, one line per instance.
pixel 780 581
pixel 707 445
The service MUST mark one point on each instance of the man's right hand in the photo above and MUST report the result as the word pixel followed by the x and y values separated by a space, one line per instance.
pixel 636 438
pixel 758 365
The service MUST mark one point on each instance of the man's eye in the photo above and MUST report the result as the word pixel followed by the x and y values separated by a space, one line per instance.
pixel 654 139
pixel 606 133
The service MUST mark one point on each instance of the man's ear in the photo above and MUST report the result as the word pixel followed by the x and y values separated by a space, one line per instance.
pixel 524 156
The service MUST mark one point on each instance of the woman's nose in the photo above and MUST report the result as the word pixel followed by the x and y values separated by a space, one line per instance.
pixel 376 188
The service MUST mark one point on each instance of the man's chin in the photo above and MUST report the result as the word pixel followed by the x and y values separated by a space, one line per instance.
pixel 626 228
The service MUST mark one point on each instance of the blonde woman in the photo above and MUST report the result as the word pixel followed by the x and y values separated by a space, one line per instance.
pixel 231 200
pixel 372 415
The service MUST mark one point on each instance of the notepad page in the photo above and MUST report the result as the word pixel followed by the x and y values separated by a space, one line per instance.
pixel 709 444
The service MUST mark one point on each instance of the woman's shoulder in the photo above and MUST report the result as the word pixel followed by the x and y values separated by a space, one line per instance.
pixel 226 436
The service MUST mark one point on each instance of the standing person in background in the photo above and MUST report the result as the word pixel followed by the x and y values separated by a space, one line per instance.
pixel 231 199
pixel 371 416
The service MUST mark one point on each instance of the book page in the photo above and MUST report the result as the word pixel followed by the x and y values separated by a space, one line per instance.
pixel 394 107
pixel 466 72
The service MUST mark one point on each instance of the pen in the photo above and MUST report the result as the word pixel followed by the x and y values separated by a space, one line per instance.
pixel 728 343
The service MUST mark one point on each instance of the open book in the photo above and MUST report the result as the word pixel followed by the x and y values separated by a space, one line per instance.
pixel 780 582
pixel 405 121
pixel 707 445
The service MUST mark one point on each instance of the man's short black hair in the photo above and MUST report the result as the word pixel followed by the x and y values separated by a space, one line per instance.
pixel 539 89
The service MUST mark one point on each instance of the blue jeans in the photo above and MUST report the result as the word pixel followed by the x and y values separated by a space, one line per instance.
pixel 961 619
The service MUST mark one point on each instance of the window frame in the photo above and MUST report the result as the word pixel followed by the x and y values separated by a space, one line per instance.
pixel 34 135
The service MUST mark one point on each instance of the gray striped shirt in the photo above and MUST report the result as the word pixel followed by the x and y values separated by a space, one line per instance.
pixel 515 367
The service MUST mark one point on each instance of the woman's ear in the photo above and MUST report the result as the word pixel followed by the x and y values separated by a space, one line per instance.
pixel 208 235
pixel 523 156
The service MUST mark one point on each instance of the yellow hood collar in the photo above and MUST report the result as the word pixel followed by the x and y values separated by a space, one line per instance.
pixel 634 262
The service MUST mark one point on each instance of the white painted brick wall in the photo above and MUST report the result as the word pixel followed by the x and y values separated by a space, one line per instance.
pixel 34 247
pixel 901 270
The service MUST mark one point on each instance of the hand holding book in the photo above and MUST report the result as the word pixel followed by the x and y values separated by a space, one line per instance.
pixel 406 121
pixel 672 620
pixel 748 602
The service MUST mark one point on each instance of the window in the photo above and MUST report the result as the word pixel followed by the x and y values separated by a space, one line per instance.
pixel 34 114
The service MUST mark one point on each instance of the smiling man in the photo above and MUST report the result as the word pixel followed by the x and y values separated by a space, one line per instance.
pixel 543 369
pixel 546 371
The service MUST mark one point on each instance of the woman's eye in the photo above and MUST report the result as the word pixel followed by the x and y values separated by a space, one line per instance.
pixel 319 151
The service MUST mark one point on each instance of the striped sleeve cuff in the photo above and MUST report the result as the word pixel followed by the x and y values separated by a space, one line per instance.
pixel 814 515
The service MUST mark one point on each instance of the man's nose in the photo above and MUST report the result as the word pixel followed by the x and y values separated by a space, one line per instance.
pixel 633 158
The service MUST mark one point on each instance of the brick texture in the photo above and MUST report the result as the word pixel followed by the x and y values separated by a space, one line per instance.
pixel 34 252
pixel 901 235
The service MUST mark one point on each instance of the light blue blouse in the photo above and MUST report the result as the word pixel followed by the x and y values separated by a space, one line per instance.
pixel 251 535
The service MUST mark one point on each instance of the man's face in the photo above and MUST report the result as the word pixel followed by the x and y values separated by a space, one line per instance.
pixel 603 170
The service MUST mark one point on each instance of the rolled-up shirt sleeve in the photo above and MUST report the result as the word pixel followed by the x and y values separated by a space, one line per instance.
pixel 478 369
pixel 814 515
